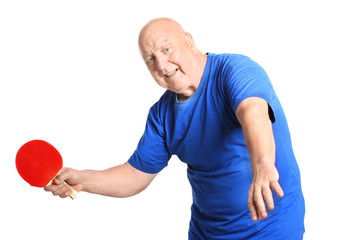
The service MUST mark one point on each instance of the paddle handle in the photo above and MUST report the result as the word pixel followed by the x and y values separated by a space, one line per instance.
pixel 73 194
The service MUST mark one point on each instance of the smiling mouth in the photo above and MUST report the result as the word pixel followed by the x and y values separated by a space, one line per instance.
pixel 171 73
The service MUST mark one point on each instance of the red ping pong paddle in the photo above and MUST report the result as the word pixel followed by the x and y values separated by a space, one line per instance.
pixel 38 163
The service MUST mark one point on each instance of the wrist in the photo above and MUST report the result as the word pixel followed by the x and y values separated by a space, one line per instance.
pixel 262 161
pixel 85 179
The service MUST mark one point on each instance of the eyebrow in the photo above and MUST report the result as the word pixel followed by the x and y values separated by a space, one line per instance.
pixel 161 47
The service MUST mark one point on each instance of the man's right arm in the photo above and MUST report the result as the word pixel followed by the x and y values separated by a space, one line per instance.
pixel 119 181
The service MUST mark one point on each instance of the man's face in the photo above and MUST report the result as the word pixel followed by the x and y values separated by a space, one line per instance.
pixel 168 55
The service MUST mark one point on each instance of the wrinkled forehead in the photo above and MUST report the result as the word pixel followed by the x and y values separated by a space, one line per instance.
pixel 153 37
pixel 153 42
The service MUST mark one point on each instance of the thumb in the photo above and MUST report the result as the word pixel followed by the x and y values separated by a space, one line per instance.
pixel 63 175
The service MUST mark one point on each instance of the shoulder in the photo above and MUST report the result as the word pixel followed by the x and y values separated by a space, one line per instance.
pixel 228 58
pixel 233 66
pixel 161 107
pixel 228 65
pixel 164 101
pixel 232 61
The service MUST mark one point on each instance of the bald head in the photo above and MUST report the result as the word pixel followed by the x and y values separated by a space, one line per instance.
pixel 159 26
pixel 171 56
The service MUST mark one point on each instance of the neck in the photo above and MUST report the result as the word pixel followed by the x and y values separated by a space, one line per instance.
pixel 200 67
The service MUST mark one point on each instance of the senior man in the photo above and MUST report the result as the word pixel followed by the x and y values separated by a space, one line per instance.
pixel 220 116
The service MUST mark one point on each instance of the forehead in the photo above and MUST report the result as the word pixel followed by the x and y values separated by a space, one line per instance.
pixel 153 42
pixel 155 35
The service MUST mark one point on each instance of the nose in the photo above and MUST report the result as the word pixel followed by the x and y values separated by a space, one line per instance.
pixel 161 62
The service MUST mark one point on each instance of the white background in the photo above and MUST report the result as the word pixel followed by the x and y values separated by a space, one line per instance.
pixel 71 74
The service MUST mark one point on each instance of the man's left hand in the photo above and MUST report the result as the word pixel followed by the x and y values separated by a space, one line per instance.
pixel 265 179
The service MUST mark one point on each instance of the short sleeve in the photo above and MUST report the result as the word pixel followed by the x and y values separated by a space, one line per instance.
pixel 244 78
pixel 151 155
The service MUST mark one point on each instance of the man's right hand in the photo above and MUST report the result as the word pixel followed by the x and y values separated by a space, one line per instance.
pixel 119 181
pixel 72 177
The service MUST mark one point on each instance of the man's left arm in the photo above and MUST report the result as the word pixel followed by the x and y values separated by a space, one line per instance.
pixel 253 115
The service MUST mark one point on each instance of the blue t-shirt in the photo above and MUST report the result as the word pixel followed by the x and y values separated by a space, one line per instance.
pixel 205 134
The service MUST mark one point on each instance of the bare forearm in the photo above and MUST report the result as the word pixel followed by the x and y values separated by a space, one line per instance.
pixel 260 141
pixel 258 133
pixel 119 181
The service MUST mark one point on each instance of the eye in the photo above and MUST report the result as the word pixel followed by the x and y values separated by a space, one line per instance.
pixel 149 61
pixel 167 50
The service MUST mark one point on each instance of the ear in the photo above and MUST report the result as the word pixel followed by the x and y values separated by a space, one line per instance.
pixel 189 40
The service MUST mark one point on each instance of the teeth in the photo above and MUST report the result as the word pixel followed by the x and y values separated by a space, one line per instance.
pixel 170 73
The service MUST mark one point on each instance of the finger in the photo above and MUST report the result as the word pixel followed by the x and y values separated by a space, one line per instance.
pixel 251 206
pixel 268 197
pixel 259 203
pixel 77 187
pixel 66 194
pixel 50 188
pixel 63 175
pixel 277 188
pixel 60 190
